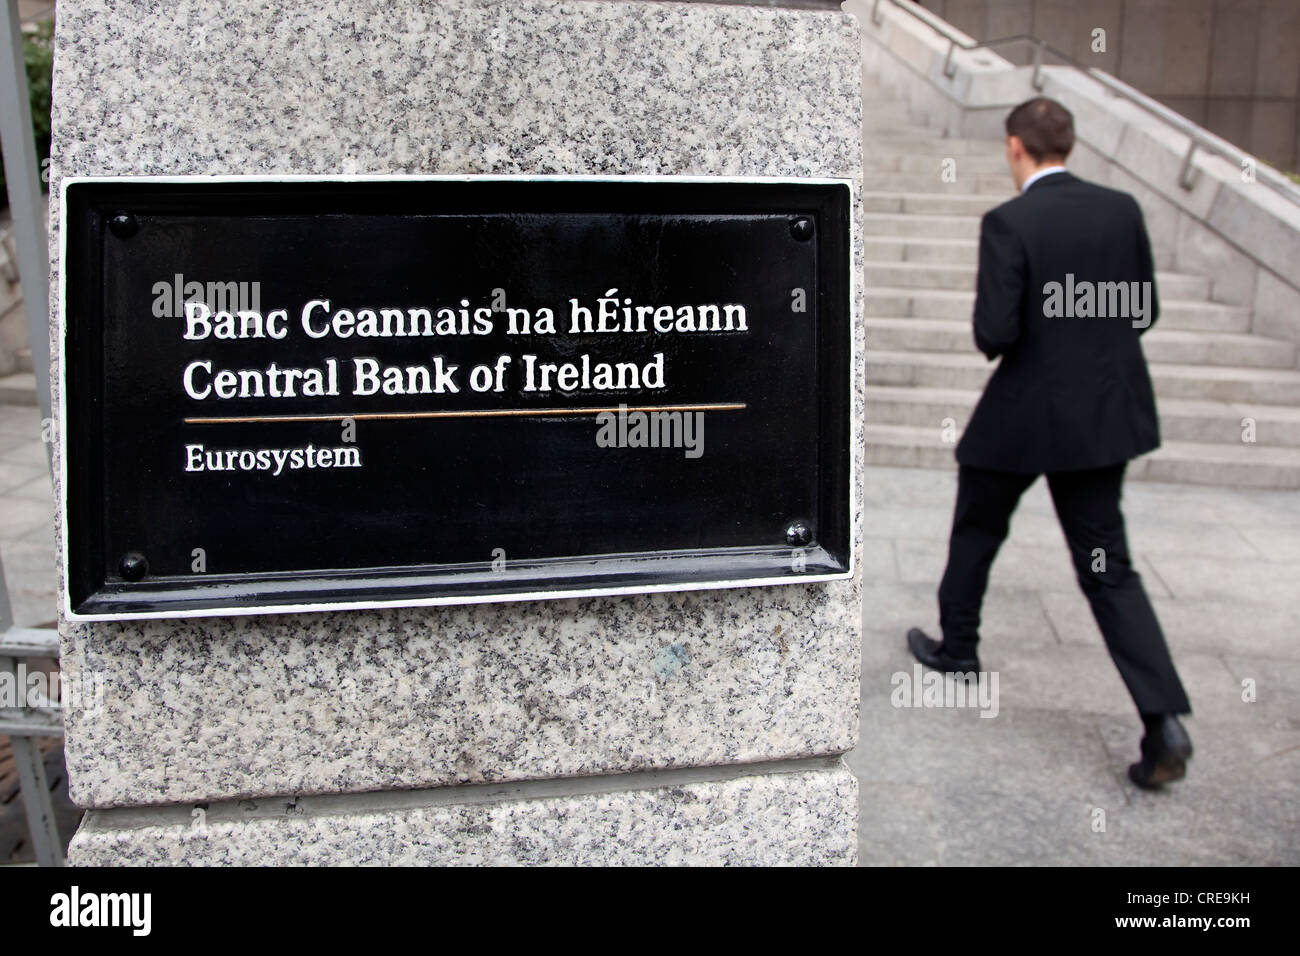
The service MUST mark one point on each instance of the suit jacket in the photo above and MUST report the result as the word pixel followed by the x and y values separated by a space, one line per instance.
pixel 1072 390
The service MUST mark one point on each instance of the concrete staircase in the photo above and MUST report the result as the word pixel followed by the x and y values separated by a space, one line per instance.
pixel 924 373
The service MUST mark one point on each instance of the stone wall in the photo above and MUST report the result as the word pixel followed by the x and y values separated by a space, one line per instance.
pixel 1233 66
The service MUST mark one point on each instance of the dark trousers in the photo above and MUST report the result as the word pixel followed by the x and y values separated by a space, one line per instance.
pixel 1087 505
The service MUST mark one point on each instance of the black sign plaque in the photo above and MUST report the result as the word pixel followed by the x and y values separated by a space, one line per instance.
pixel 305 394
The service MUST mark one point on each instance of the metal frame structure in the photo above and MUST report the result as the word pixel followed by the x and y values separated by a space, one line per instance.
pixel 1199 139
pixel 23 176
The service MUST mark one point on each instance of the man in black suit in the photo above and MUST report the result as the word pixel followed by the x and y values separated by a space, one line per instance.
pixel 1066 288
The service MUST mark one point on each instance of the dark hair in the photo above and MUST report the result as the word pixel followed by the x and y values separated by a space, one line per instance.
pixel 1044 126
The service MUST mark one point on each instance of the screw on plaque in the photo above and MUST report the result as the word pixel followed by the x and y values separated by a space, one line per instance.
pixel 123 225
pixel 133 566
pixel 802 228
pixel 798 534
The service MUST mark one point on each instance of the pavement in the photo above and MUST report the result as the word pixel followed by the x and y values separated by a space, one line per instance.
pixel 26 516
pixel 1041 780
pixel 1044 781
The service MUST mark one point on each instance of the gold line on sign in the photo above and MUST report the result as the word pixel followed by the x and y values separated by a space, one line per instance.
pixel 483 413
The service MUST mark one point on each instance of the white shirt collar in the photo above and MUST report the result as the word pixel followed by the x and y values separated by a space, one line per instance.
pixel 1047 171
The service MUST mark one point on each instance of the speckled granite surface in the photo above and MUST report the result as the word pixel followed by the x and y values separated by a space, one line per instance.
pixel 357 701
pixel 787 819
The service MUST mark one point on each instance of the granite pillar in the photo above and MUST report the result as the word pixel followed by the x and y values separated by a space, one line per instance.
pixel 691 727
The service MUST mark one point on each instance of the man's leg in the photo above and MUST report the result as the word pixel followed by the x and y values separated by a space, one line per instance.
pixel 1087 504
pixel 985 501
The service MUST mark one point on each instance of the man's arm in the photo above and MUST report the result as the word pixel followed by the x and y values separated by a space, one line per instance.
pixel 1146 267
pixel 999 287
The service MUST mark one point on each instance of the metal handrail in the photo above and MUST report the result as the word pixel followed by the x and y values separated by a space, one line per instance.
pixel 1199 138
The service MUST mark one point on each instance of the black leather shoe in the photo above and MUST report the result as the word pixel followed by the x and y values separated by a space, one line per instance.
pixel 1166 749
pixel 931 653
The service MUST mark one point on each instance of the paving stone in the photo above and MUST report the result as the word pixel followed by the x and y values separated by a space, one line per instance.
pixel 1017 827
pixel 1208 627
pixel 1078 679
pixel 878 560
pixel 896 825
pixel 1236 581
pixel 929 487
pixel 44 533
pixel 38 488
pixel 14 475
pixel 29 575
pixel 20 420
pixel 32 454
pixel 890 609
pixel 21 515
pixel 1018 567
pixel 1166 505
pixel 925 521
pixel 8 442
pixel 1275 680
pixel 1273 542
pixel 1239 804
pixel 1030 749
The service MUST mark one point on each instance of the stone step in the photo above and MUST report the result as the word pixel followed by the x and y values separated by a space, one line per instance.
pixel 923 249
pixel 887 267
pixel 24 359
pixel 1202 463
pixel 985 184
pixel 1213 383
pixel 1174 346
pixel 908 225
pixel 1202 316
pixel 930 204
pixel 931 162
pixel 18 389
pixel 918 406
pixel 1180 419
pixel 875 128
pixel 922 335
pixel 894 302
pixel 950 370
pixel 908 447
pixel 918 275
pixel 1182 287
pixel 1184 462
pixel 886 111
pixel 877 118
pixel 969 370
pixel 1194 420
pixel 927 142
